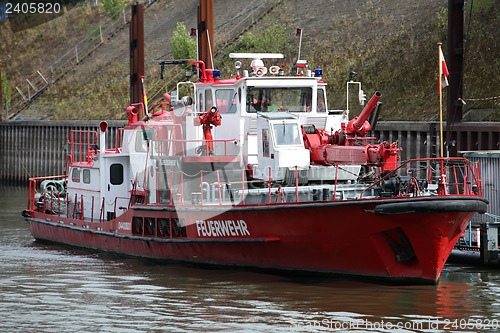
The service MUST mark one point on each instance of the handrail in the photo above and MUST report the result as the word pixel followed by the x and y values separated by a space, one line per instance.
pixel 207 152
pixel 462 171
pixel 89 153
pixel 442 159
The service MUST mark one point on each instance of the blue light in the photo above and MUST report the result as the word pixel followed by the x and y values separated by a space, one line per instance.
pixel 318 72
pixel 216 74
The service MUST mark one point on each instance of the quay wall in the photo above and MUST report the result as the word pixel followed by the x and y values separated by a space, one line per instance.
pixel 39 148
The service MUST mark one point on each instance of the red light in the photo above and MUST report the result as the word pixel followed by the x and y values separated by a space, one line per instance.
pixel 299 32
pixel 103 126
pixel 193 31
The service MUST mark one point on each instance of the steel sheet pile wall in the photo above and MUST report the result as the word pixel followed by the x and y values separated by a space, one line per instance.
pixel 421 139
pixel 39 148
pixel 489 162
pixel 418 139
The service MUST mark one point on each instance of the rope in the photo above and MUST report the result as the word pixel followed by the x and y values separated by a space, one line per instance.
pixel 478 99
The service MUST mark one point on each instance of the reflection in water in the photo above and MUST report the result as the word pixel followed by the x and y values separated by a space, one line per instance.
pixel 48 288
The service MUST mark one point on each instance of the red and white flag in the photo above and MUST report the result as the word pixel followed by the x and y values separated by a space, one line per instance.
pixel 443 70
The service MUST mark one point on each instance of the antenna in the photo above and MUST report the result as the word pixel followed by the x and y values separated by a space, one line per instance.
pixel 299 33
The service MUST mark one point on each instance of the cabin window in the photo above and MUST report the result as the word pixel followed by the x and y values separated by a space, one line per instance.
pixel 116 174
pixel 321 101
pixel 86 176
pixel 265 142
pixel 279 99
pixel 75 175
pixel 200 102
pixel 286 134
pixel 140 143
pixel 226 100
pixel 208 100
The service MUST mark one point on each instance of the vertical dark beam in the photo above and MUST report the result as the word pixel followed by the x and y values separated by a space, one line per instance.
pixel 206 32
pixel 455 62
pixel 136 53
pixel 1 95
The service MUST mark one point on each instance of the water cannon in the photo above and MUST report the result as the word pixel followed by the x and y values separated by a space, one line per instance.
pixel 207 120
pixel 359 125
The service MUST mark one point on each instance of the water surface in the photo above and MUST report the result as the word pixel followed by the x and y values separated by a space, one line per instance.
pixel 52 288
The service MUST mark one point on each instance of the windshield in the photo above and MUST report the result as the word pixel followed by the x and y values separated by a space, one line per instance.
pixel 279 99
pixel 286 134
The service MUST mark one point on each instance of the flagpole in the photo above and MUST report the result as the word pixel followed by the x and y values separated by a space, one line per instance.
pixel 440 88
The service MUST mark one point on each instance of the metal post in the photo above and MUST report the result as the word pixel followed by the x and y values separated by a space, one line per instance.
pixel 42 77
pixel 300 46
pixel 124 18
pixel 100 32
pixel 136 53
pixel 206 31
pixel 32 86
pixel 76 52
pixel 21 93
pixel 455 61
pixel 347 93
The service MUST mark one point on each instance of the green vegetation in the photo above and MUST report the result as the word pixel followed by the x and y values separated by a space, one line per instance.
pixel 393 50
pixel 272 38
pixel 112 7
pixel 6 91
pixel 183 46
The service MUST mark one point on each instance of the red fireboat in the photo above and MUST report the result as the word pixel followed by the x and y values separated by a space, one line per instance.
pixel 256 172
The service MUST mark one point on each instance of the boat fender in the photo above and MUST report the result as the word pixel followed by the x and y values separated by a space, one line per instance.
pixel 438 206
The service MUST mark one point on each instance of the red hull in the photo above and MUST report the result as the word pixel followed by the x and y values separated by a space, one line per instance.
pixel 349 237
